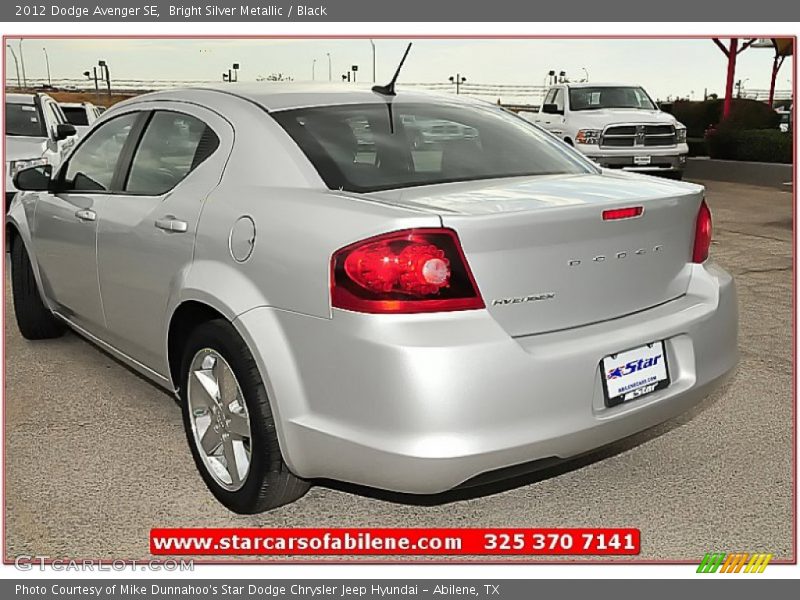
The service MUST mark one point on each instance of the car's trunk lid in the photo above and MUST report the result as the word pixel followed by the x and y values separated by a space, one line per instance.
pixel 545 259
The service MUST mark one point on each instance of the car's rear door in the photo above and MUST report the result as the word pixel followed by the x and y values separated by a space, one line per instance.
pixel 65 223
pixel 146 229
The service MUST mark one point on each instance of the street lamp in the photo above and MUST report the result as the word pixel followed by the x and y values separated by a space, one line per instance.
pixel 22 62
pixel 314 70
pixel 104 66
pixel 235 72
pixel 586 72
pixel 372 43
pixel 93 75
pixel 458 80
pixel 354 69
pixel 47 62
pixel 328 54
pixel 16 64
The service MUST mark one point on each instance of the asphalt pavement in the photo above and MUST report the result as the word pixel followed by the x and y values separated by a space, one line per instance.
pixel 95 456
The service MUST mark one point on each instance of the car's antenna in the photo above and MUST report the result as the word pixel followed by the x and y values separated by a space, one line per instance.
pixel 388 90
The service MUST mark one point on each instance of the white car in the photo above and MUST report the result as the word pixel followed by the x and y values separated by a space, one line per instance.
pixel 618 126
pixel 37 134
pixel 80 114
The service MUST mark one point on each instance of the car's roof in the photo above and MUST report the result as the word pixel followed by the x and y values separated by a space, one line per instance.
pixel 277 96
pixel 583 84
pixel 75 104
pixel 20 98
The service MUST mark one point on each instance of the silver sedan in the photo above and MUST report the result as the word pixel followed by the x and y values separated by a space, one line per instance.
pixel 329 298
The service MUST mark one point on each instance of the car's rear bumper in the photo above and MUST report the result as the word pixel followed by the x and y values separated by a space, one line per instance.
pixel 423 403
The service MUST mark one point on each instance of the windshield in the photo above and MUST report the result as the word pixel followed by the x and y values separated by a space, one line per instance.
pixel 593 98
pixel 358 148
pixel 76 115
pixel 24 120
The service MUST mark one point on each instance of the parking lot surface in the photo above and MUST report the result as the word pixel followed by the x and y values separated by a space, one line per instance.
pixel 96 456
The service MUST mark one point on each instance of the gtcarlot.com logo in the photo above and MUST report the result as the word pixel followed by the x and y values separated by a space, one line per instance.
pixel 739 562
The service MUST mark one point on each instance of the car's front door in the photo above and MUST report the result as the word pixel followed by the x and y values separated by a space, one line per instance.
pixel 65 224
pixel 146 231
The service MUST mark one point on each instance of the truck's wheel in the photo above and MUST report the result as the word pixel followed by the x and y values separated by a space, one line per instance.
pixel 229 424
pixel 34 319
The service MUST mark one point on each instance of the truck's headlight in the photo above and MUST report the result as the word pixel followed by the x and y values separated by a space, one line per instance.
pixel 588 136
pixel 17 165
pixel 680 135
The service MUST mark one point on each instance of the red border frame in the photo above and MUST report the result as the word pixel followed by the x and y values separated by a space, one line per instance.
pixel 404 559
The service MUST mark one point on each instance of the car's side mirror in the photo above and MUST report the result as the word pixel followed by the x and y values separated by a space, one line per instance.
pixel 552 109
pixel 64 130
pixel 34 179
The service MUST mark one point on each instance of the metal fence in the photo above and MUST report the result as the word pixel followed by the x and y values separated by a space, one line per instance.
pixel 517 94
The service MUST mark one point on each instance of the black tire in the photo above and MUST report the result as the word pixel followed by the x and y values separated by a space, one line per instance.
pixel 34 319
pixel 269 483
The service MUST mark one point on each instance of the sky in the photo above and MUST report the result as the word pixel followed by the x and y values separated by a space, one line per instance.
pixel 666 68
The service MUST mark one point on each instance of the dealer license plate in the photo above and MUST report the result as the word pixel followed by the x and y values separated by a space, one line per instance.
pixel 634 373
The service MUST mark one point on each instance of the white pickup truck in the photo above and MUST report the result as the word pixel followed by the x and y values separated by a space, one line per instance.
pixel 618 126
pixel 37 133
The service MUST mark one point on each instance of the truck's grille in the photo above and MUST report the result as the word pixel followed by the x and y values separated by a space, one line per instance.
pixel 630 136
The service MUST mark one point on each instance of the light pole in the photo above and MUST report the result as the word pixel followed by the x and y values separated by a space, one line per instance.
pixel 235 72
pixel 586 71
pixel 328 54
pixel 22 62
pixel 314 70
pixel 93 75
pixel 47 62
pixel 458 80
pixel 16 64
pixel 354 69
pixel 372 43
pixel 104 66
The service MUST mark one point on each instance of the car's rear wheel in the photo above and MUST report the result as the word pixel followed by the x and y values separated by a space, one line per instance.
pixel 34 319
pixel 229 423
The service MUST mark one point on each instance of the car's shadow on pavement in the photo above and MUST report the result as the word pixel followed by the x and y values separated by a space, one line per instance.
pixel 527 474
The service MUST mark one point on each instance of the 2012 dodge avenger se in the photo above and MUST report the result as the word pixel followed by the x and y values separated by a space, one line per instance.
pixel 334 288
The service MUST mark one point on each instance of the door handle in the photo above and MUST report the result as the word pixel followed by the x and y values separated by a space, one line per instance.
pixel 86 215
pixel 172 224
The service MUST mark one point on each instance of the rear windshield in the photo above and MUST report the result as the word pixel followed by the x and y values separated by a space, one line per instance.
pixel 76 115
pixel 593 98
pixel 363 148
pixel 24 120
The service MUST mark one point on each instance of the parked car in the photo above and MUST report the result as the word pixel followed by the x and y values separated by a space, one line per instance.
pixel 617 126
pixel 411 324
pixel 80 114
pixel 785 124
pixel 37 133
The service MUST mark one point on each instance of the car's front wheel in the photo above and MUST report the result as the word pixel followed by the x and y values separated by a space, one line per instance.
pixel 34 319
pixel 229 423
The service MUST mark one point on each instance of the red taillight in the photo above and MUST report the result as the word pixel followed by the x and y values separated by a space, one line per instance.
pixel 409 271
pixel 702 234
pixel 622 213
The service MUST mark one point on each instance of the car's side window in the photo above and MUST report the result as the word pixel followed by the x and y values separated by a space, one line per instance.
pixel 559 99
pixel 91 168
pixel 173 145
pixel 550 95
